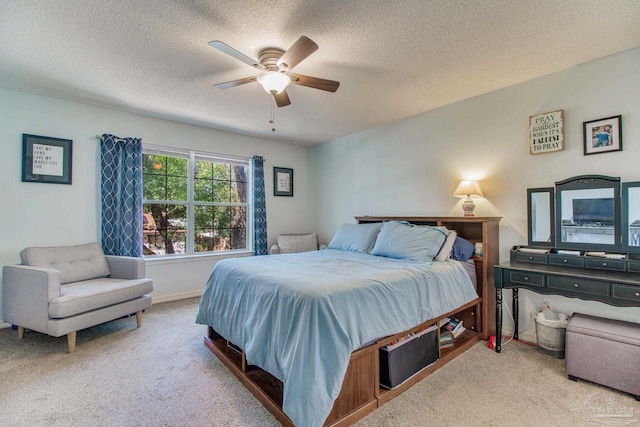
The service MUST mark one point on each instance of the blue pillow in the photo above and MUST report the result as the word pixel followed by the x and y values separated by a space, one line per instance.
pixel 462 249
pixel 355 237
pixel 406 241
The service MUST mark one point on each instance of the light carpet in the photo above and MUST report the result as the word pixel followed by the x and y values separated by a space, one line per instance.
pixel 163 375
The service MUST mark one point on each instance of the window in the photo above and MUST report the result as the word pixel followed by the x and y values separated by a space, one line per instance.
pixel 194 203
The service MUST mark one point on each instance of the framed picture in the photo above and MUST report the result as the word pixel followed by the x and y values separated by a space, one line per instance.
pixel 603 135
pixel 282 182
pixel 546 132
pixel 46 159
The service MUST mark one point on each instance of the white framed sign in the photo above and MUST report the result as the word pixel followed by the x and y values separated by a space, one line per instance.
pixel 546 132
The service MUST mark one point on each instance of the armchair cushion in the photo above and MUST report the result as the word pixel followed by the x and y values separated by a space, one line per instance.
pixel 80 297
pixel 75 263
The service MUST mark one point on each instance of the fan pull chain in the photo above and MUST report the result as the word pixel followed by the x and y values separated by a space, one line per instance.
pixel 273 120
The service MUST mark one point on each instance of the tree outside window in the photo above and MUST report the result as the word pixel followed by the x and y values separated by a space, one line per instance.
pixel 194 203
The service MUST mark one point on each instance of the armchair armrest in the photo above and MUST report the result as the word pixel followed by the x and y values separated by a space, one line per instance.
pixel 26 292
pixel 125 267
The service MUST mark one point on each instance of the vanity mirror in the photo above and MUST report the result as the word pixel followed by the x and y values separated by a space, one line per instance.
pixel 540 208
pixel 631 216
pixel 588 213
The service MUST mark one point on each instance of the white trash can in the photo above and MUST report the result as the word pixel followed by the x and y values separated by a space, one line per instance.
pixel 550 334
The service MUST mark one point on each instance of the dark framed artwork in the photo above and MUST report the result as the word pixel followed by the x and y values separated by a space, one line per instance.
pixel 603 135
pixel 45 159
pixel 282 182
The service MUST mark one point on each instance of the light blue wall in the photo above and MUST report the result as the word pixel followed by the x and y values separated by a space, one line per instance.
pixel 412 166
pixel 33 214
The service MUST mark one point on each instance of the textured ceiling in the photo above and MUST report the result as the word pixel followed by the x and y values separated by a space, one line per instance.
pixel 393 58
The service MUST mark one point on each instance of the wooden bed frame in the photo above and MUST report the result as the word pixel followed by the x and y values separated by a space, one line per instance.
pixel 361 392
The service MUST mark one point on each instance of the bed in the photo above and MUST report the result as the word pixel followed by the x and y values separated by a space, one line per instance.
pixel 279 321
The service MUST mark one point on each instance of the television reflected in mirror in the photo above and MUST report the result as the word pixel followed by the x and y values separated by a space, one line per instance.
pixel 540 208
pixel 588 213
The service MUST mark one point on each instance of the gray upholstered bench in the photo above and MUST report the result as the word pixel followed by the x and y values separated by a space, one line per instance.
pixel 604 351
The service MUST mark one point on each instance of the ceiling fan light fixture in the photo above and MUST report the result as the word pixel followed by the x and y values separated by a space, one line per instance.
pixel 274 82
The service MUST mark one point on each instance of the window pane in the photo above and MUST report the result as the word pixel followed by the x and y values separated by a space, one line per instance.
pixel 203 190
pixel 215 228
pixel 238 228
pixel 177 166
pixel 221 191
pixel 176 188
pixel 221 171
pixel 239 184
pixel 164 229
pixel 154 187
pixel 153 164
pixel 204 169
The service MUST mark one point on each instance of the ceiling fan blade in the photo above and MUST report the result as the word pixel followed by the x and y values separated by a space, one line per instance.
pixel 302 48
pixel 217 44
pixel 282 99
pixel 315 82
pixel 234 83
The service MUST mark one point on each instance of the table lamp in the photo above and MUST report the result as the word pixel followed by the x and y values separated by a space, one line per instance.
pixel 468 190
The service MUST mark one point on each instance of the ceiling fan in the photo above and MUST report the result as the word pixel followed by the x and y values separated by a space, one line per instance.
pixel 276 65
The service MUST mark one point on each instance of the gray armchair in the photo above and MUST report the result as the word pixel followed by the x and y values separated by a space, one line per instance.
pixel 292 243
pixel 60 290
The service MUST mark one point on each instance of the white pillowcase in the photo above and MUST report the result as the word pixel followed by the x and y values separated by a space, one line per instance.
pixel 445 251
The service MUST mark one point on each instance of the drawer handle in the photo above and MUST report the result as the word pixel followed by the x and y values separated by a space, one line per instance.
pixel 530 257
pixel 564 260
pixel 604 264
pixel 526 278
pixel 637 294
pixel 575 285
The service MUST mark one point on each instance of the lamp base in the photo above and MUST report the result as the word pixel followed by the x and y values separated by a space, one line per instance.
pixel 468 207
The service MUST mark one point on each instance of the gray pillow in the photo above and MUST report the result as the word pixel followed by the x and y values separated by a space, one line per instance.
pixel 407 241
pixel 355 237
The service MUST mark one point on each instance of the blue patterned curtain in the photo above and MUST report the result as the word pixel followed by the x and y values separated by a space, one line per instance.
pixel 259 208
pixel 121 161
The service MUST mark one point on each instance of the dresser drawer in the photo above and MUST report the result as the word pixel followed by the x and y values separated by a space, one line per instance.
pixel 570 261
pixel 606 264
pixel 584 286
pixel 634 266
pixel 533 258
pixel 526 278
pixel 627 292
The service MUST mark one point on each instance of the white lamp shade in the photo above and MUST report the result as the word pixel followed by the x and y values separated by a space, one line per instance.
pixel 469 189
pixel 273 81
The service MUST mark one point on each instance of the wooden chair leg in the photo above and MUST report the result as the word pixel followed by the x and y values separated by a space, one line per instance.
pixel 20 332
pixel 71 341
pixel 139 318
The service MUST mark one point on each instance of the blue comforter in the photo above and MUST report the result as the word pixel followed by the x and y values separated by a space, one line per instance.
pixel 300 316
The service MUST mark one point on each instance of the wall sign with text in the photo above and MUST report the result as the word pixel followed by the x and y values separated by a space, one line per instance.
pixel 282 182
pixel 546 132
pixel 46 160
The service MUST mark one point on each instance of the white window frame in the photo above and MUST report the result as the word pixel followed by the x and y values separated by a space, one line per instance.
pixel 192 156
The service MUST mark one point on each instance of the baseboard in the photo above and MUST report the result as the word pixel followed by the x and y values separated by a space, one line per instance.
pixel 155 300
pixel 529 337
pixel 175 297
